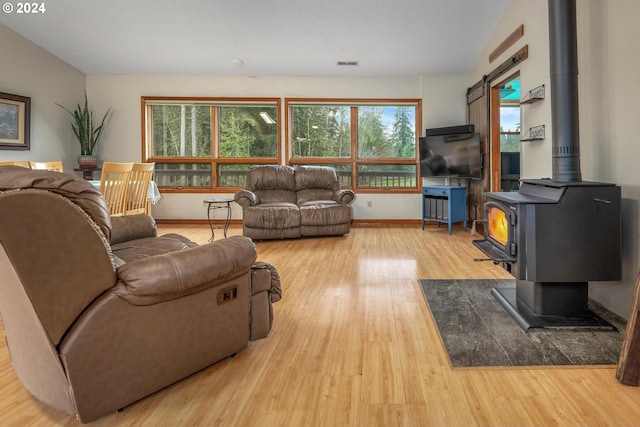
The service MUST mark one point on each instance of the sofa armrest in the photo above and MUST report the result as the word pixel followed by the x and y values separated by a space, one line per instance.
pixel 131 227
pixel 265 278
pixel 246 198
pixel 173 275
pixel 344 197
pixel 265 290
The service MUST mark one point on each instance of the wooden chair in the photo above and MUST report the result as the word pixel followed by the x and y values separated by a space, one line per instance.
pixel 49 166
pixel 114 183
pixel 22 163
pixel 136 197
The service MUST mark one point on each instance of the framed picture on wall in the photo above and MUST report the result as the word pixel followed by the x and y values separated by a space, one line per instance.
pixel 15 122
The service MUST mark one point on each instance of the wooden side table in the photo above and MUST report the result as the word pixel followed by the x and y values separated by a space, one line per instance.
pixel 213 204
pixel 87 173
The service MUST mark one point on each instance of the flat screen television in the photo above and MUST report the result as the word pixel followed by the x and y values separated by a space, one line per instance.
pixel 451 155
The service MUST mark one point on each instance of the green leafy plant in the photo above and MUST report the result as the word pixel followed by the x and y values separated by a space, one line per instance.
pixel 88 136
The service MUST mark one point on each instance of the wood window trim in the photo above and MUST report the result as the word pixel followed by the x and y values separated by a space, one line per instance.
pixel 494 144
pixel 146 102
pixel 354 159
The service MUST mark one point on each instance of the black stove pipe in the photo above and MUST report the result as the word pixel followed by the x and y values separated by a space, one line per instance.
pixel 563 47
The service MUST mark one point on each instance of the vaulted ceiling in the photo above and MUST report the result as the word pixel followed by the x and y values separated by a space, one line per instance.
pixel 386 38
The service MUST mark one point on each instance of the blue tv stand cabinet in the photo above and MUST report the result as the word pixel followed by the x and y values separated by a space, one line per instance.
pixel 444 203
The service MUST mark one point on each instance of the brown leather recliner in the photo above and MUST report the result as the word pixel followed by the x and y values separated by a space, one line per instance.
pixel 100 312
pixel 285 202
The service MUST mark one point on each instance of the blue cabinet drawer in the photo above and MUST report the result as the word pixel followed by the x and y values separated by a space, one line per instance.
pixel 430 191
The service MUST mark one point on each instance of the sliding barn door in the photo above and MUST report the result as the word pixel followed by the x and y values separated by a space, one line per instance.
pixel 478 114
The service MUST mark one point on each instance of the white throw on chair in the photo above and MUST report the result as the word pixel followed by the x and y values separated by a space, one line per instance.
pixel 55 166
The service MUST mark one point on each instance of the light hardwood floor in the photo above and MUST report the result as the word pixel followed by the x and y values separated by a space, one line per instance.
pixel 354 344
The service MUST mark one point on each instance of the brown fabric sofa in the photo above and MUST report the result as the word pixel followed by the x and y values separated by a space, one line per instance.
pixel 100 312
pixel 282 202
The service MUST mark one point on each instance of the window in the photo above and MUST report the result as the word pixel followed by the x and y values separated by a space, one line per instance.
pixel 509 95
pixel 372 144
pixel 509 127
pixel 200 144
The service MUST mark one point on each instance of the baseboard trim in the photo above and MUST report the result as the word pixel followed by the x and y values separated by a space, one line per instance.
pixel 354 222
pixel 196 221
pixel 385 222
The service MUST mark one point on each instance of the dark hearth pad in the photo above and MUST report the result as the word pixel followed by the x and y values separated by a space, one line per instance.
pixel 477 331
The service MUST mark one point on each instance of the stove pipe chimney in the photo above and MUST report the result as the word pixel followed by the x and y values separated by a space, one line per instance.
pixel 563 49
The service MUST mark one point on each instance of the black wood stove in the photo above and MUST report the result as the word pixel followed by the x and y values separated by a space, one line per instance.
pixel 556 235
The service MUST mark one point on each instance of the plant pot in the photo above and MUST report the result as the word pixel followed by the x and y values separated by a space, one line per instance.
pixel 87 161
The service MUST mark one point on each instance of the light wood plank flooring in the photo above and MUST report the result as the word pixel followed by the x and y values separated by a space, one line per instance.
pixel 354 344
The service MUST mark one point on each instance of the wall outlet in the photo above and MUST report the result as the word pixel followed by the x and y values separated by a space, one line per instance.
pixel 369 203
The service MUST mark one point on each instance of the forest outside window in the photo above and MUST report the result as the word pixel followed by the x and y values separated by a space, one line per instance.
pixel 200 144
pixel 372 144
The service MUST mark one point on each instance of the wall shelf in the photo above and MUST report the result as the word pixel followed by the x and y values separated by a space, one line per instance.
pixel 535 133
pixel 534 95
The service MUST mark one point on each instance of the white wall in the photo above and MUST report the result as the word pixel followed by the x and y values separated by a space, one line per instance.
pixel 609 87
pixel 534 71
pixel 443 105
pixel 609 59
pixel 28 70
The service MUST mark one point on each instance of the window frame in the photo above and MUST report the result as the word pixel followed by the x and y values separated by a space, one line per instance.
pixel 215 160
pixel 515 104
pixel 354 160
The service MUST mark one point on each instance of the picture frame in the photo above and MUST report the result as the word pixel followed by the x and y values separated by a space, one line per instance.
pixel 15 122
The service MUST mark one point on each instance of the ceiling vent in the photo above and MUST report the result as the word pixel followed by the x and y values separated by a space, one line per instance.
pixel 347 63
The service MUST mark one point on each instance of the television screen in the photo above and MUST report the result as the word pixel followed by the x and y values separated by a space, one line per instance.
pixel 451 155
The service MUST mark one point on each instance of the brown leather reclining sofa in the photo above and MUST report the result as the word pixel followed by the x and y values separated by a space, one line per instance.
pixel 282 202
pixel 100 312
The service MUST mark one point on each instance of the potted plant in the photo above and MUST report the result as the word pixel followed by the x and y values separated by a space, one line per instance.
pixel 86 133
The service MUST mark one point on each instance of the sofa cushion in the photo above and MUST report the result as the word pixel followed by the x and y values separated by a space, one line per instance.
pixel 272 183
pixel 132 227
pixel 315 183
pixel 313 195
pixel 316 177
pixel 276 216
pixel 324 212
pixel 133 250
pixel 256 233
pixel 276 196
pixel 269 177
